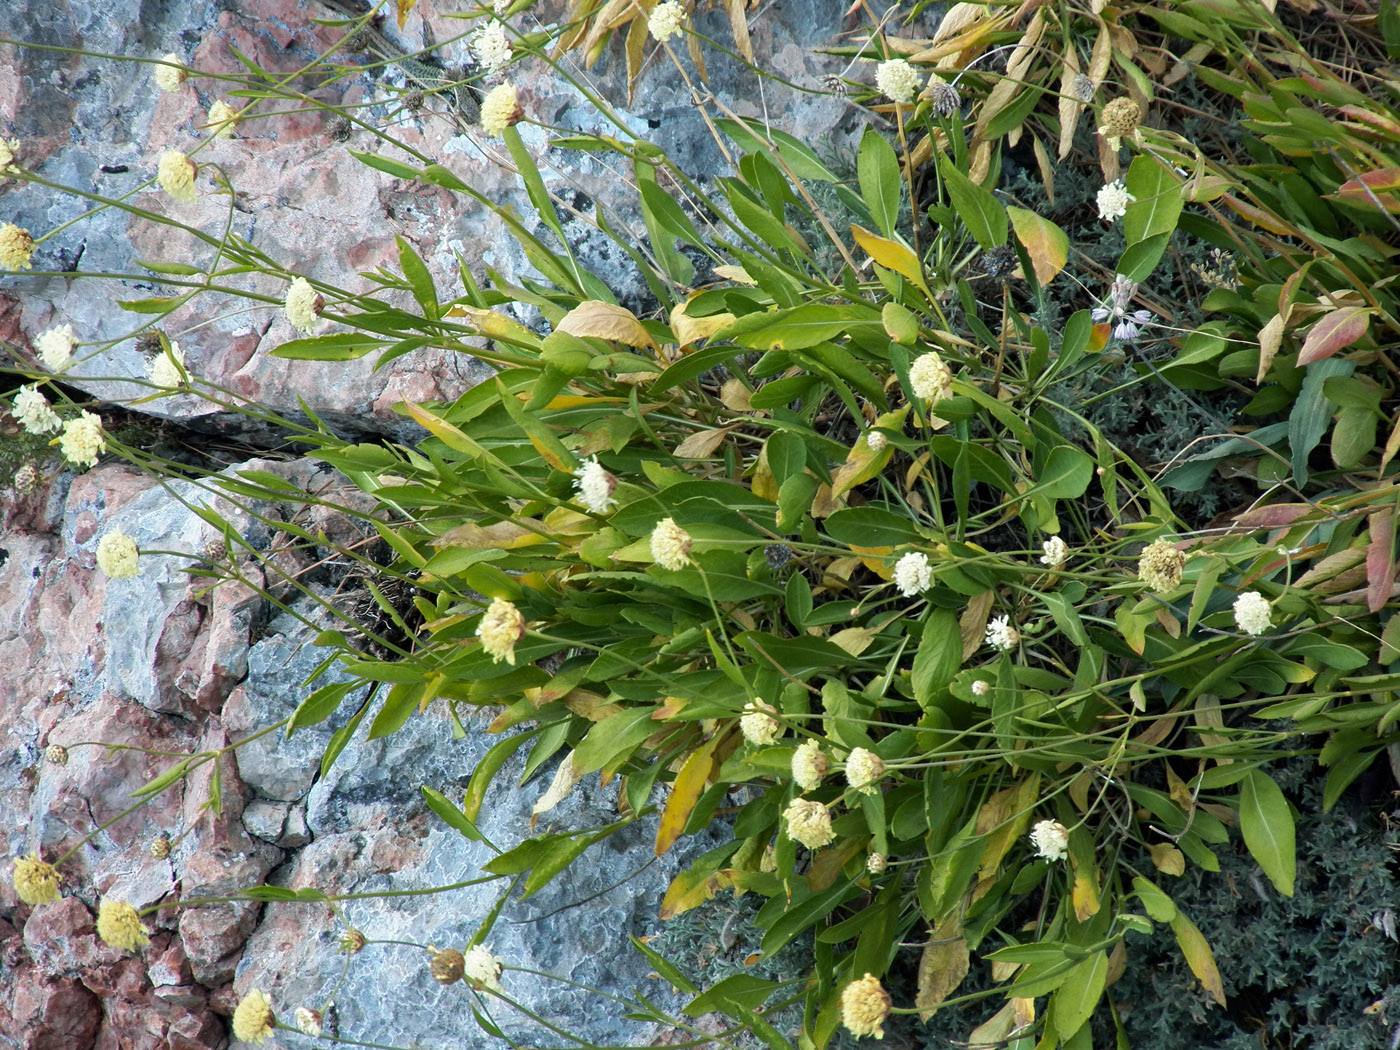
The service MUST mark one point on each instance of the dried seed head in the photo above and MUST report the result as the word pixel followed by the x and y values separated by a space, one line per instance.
pixel 446 966
pixel 413 100
pixel 160 847
pixel 341 129
pixel 352 941
pixel 56 754
pixel 26 479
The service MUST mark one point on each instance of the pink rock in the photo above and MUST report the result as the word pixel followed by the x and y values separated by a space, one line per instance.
pixel 53 1013
pixel 62 939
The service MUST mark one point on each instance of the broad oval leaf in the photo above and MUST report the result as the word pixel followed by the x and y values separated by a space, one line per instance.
pixel 1266 821
pixel 605 321
pixel 1333 332
pixel 1045 243
pixel 1074 1000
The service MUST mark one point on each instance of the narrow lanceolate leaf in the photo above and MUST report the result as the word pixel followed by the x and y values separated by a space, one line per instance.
pixel 1380 558
pixel 1198 956
pixel 1333 332
pixel 892 256
pixel 685 792
pixel 1266 821
pixel 1074 1000
pixel 942 966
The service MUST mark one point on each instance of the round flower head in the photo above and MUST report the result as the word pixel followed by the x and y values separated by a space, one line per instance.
pixel 119 926
pixel 809 765
pixel 253 1020
pixel 595 486
pixel 1001 635
pixel 1051 840
pixel 352 942
pixel 35 881
pixel 308 1021
pixel 875 440
pixel 500 629
pixel 981 687
pixel 56 754
pixel 864 770
pixel 758 725
pixel 931 379
pixel 1120 119
pixel 808 823
pixel 165 368
pixel 897 79
pixel 176 174
pixel 492 47
pixel 169 77
pixel 1056 552
pixel 82 440
pixel 117 555
pixel 875 863
pixel 222 118
pixel 912 573
pixel 1160 566
pixel 160 847
pixel 500 110
pixel 670 545
pixel 665 21
pixel 9 148
pixel 27 477
pixel 303 305
pixel 1252 613
pixel 864 1006
pixel 31 409
pixel 446 966
pixel 1113 201
pixel 482 967
pixel 56 347
pixel 16 246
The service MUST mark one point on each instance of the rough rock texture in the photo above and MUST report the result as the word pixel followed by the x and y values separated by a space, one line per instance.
pixel 100 125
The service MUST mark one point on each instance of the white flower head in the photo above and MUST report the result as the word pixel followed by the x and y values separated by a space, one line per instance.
pixel 1001 635
pixel 1056 552
pixel 1051 840
pixel 897 79
pixel 864 770
pixel 117 555
pixel 666 20
pixel 308 1021
pixel 758 725
pixel 670 545
pixel 82 440
pixel 981 687
pixel 9 150
pixel 170 77
pixel 482 967
pixel 931 378
pixel 809 765
pixel 595 486
pixel 912 573
pixel 165 367
pixel 1113 200
pixel 56 347
pixel 500 628
pixel 1253 613
pixel 32 411
pixel 492 46
pixel 809 823
pixel 875 440
pixel 303 305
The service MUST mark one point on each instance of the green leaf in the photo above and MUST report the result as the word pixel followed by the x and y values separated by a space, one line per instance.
pixel 450 814
pixel 342 346
pixel 871 527
pixel 1074 1000
pixel 1266 822
pixel 1068 471
pixel 678 980
pixel 1312 411
pixel 1155 902
pixel 805 164
pixel 1156 205
pixel 980 212
pixel 739 993
pixel 939 656
pixel 415 272
pixel 319 706
pixel 878 170
pixel 612 737
pixel 487 768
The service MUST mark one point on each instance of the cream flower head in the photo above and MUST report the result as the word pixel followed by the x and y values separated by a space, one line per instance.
pixel 809 823
pixel 897 79
pixel 492 47
pixel 176 173
pixel 165 367
pixel 1056 552
pixel 1001 634
pixel 1051 840
pixel 55 347
pixel 16 246
pixel 930 378
pixel 9 150
pixel 82 440
pixel 595 486
pixel 119 926
pixel 169 77
pixel 1161 565
pixel 864 770
pixel 482 968
pixel 864 1006
pixel 303 305
pixel 36 882
pixel 500 629
pixel 117 555
pixel 809 765
pixel 670 545
pixel 1253 613
pixel 500 109
pixel 665 21
pixel 222 118
pixel 912 573
pixel 308 1021
pixel 33 412
pixel 758 725
pixel 253 1020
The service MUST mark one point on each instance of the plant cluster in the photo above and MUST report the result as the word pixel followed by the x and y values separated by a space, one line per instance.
pixel 827 547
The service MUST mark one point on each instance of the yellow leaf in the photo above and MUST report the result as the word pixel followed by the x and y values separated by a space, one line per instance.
pixel 737 274
pixel 688 329
pixel 605 321
pixel 1270 337
pixel 702 444
pixel 1085 894
pixel 688 889
pixel 855 640
pixel 493 325
pixel 1002 819
pixel 972 625
pixel 735 396
pixel 1071 106
pixel 503 535
pixel 685 792
pixel 892 256
pixel 560 788
pixel 1198 956
pixel 825 503
pixel 826 865
pixel 404 7
pixel 1167 859
pixel 764 484
pixel 739 23
pixel 1045 243
pixel 444 431
pixel 942 966
pixel 1177 790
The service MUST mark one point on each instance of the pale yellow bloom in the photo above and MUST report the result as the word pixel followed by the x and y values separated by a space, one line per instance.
pixel 176 174
pixel 35 881
pixel 500 109
pixel 119 926
pixel 117 555
pixel 222 118
pixel 303 305
pixel 758 724
pixel 500 629
pixel 864 1006
pixel 9 149
pixel 666 20
pixel 55 346
pixel 253 1020
pixel 864 770
pixel 1161 565
pixel 16 246
pixel 165 367
pixel 670 545
pixel 809 765
pixel 482 968
pixel 809 823
pixel 897 79
pixel 170 77
pixel 930 378
pixel 33 412
pixel 82 440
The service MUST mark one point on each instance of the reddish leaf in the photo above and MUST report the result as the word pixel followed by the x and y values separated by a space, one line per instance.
pixel 1380 558
pixel 1333 332
pixel 1372 188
